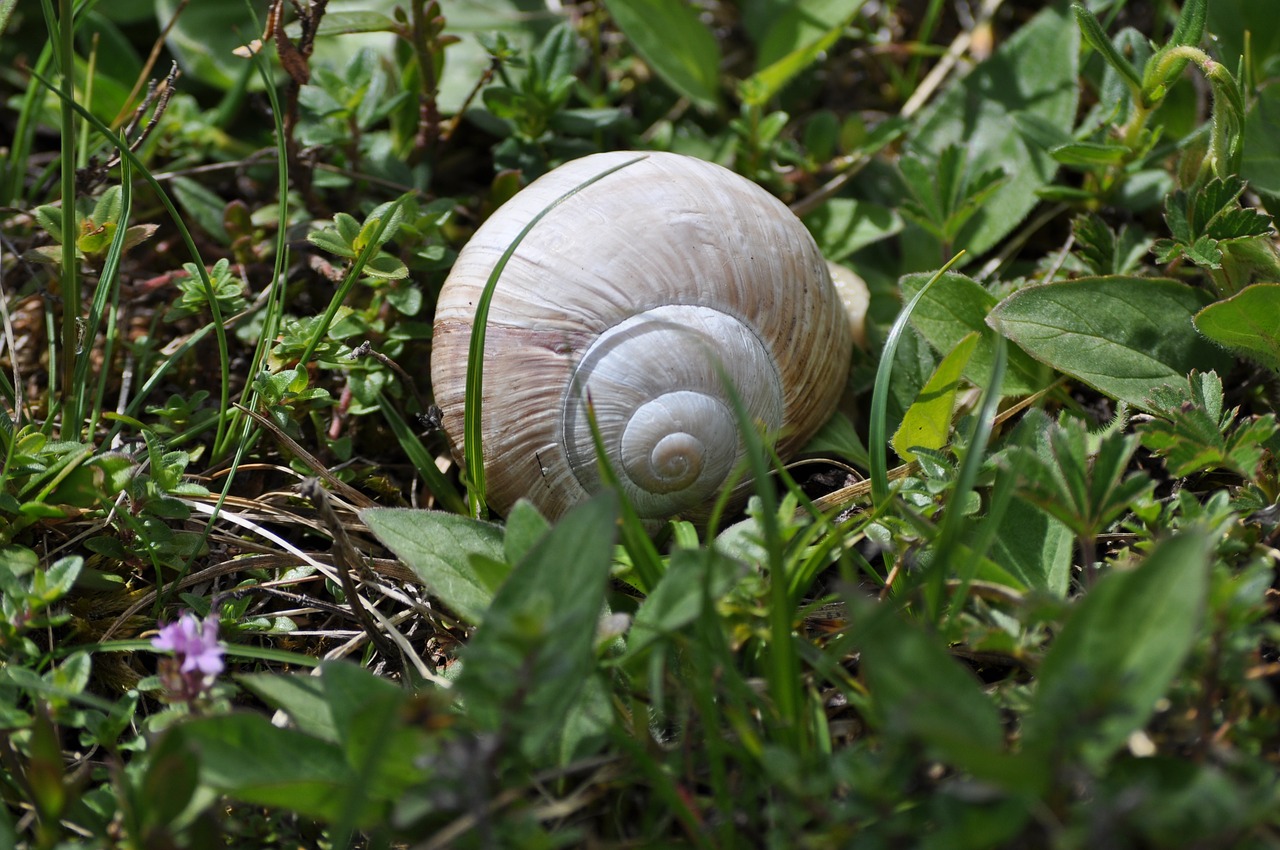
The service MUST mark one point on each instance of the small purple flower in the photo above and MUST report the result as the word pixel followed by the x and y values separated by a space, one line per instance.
pixel 197 655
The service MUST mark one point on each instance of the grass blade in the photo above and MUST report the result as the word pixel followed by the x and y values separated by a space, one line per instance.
pixel 472 447
pixel 877 439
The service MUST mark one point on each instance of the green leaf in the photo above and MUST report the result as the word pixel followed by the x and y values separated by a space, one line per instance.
pixel 203 206
pixel 437 546
pixel 1096 37
pixel 525 527
pixel 526 666
pixel 1106 251
pixel 1261 156
pixel 299 695
pixel 1193 434
pixel 953 308
pixel 844 225
pixel 1089 154
pixel 49 217
pixel 797 39
pixel 793 27
pixel 694 580
pixel 675 43
pixel 109 205
pixel 345 23
pixel 1124 336
pixel 1033 73
pixel 331 241
pixel 247 758
pixel 1247 323
pixel 927 423
pixel 1034 547
pixel 919 691
pixel 386 267
pixel 1118 653
pixel 1078 478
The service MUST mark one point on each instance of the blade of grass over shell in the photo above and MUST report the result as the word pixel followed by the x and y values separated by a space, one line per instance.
pixel 877 438
pixel 635 537
pixel 472 448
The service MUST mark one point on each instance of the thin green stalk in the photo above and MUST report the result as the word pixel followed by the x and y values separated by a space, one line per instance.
pixel 953 519
pixel 645 559
pixel 70 278
pixel 108 289
pixel 273 314
pixel 783 664
pixel 877 437
pixel 421 458
pixel 472 441
pixel 217 326
pixel 372 247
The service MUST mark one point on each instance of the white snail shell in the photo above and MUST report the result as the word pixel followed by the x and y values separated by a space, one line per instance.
pixel 631 291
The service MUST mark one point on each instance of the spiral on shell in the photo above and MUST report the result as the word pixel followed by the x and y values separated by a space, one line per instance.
pixel 643 292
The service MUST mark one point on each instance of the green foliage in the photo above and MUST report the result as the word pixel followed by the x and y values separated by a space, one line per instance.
pixel 1134 334
pixel 1031 633
pixel 1079 478
pixel 96 222
pixel 1195 434
pixel 1243 323
pixel 194 299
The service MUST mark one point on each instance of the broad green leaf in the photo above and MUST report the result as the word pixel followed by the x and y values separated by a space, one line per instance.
pixel 953 308
pixel 927 423
pixel 1123 336
pixel 844 225
pixel 1260 163
pixel 526 666
pixel 1034 547
pixel 525 527
pixel 1034 72
pixel 1118 653
pixel 203 206
pixel 1247 323
pixel 436 546
pixel 299 695
pixel 795 40
pixel 675 43
pixel 679 596
pixel 167 786
pixel 1233 21
pixel 247 758
pixel 802 25
pixel 919 691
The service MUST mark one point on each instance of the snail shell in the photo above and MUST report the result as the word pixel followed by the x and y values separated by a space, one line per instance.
pixel 631 292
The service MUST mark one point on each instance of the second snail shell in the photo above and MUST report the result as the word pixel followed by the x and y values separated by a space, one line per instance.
pixel 632 291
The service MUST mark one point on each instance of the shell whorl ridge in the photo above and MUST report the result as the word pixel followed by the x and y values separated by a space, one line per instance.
pixel 644 292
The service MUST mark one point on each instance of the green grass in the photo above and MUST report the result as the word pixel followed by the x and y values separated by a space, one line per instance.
pixel 1055 627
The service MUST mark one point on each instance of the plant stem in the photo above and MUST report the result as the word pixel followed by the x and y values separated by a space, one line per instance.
pixel 70 277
